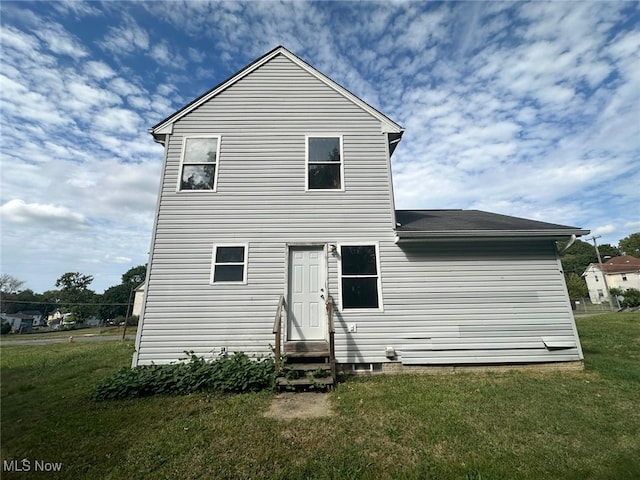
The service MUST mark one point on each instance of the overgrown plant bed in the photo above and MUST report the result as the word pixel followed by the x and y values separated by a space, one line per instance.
pixel 228 374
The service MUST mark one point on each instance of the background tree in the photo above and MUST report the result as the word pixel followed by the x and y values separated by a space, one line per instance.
pixel 75 295
pixel 576 286
pixel 120 294
pixel 577 258
pixel 9 283
pixel 630 297
pixel 631 245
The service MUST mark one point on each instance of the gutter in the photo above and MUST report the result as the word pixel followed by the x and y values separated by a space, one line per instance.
pixel 486 234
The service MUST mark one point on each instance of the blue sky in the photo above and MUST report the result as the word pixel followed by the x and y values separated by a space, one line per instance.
pixel 525 109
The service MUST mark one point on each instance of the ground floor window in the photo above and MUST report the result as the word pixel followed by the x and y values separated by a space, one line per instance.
pixel 229 264
pixel 359 276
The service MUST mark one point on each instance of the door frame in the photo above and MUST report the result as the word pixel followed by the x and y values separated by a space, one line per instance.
pixel 325 250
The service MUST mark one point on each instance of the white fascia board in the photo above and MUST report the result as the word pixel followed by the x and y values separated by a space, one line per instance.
pixel 388 125
pixel 165 129
pixel 488 234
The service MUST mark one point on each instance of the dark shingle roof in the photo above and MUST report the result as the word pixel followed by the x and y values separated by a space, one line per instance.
pixel 474 223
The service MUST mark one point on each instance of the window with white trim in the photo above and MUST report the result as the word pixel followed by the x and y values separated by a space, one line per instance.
pixel 229 264
pixel 624 277
pixel 359 276
pixel 199 166
pixel 324 163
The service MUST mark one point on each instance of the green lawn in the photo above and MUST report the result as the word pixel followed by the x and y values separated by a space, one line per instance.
pixel 512 425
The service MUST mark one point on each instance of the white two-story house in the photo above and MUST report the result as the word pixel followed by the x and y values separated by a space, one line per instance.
pixel 621 272
pixel 277 190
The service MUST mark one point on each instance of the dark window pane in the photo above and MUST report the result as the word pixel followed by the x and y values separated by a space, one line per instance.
pixel 359 293
pixel 359 260
pixel 324 149
pixel 228 273
pixel 200 150
pixel 230 255
pixel 198 177
pixel 324 176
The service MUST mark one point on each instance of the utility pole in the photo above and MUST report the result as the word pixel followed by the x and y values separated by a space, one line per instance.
pixel 604 274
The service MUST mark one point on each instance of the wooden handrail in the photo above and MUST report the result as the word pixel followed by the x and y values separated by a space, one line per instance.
pixel 277 322
pixel 277 330
pixel 332 342
pixel 329 305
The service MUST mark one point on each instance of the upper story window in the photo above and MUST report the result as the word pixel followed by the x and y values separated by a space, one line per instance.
pixel 199 165
pixel 596 277
pixel 324 163
pixel 624 277
pixel 359 276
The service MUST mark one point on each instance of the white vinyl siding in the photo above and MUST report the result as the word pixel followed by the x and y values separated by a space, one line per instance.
pixel 476 302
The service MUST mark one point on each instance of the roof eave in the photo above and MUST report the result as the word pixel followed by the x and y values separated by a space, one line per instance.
pixel 555 234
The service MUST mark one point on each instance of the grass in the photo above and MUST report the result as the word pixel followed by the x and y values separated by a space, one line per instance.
pixel 517 424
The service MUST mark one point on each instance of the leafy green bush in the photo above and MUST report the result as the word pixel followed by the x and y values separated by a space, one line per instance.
pixel 5 328
pixel 236 373
pixel 631 296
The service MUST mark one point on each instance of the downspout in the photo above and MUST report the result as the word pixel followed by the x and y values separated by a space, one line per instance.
pixel 572 240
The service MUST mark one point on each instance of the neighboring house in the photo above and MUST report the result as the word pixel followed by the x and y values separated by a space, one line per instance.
pixel 276 187
pixel 20 323
pixel 137 300
pixel 57 318
pixel 621 272
pixel 37 316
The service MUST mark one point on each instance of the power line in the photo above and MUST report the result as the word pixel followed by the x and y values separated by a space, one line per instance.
pixel 66 304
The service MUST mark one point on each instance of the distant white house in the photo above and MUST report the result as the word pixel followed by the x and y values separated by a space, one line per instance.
pixel 137 300
pixel 621 272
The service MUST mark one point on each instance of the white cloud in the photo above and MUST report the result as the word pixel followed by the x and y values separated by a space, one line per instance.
pixel 59 41
pixel 127 38
pixel 41 215
pixel 604 229
pixel 99 70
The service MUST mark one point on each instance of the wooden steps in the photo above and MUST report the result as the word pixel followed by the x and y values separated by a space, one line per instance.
pixel 307 365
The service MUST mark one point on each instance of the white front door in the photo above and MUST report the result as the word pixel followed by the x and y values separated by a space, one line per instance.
pixel 306 314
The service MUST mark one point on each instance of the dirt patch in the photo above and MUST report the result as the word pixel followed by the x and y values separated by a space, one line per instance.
pixel 289 405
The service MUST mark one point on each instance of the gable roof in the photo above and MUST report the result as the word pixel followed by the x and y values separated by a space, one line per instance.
pixel 622 264
pixel 166 126
pixel 447 224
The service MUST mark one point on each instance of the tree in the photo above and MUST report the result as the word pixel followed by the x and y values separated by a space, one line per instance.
pixel 115 299
pixel 608 250
pixel 74 281
pixel 630 297
pixel 75 295
pixel 631 245
pixel 135 275
pixel 9 283
pixel 577 258
pixel 576 286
